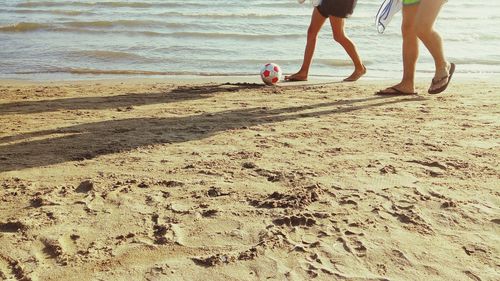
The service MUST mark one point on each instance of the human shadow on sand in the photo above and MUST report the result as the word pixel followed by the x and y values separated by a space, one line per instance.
pixel 87 141
pixel 177 94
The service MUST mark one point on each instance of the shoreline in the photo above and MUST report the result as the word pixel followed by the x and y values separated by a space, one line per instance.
pixel 459 77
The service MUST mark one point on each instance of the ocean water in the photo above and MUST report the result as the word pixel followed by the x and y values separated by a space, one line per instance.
pixel 70 39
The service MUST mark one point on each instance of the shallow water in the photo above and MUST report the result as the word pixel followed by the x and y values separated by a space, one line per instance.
pixel 89 39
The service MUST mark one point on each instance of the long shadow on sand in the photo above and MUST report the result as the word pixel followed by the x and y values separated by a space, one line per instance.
pixel 88 141
pixel 179 93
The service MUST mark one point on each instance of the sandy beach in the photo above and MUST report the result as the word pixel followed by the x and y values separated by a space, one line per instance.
pixel 202 180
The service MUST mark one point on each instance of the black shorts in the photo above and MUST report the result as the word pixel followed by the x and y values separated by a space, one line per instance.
pixel 337 8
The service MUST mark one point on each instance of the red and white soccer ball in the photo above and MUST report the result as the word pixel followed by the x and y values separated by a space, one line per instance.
pixel 271 74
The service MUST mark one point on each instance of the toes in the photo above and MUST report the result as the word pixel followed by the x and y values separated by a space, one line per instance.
pixel 295 77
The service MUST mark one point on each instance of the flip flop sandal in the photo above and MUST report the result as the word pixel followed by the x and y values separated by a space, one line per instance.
pixel 395 93
pixel 437 81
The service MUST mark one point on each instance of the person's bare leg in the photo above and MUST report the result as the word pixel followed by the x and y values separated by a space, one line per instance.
pixel 340 36
pixel 410 52
pixel 425 18
pixel 317 21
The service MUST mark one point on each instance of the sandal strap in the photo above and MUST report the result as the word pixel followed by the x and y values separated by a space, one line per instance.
pixel 439 80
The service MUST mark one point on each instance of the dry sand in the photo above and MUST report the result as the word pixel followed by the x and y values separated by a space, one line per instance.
pixel 153 180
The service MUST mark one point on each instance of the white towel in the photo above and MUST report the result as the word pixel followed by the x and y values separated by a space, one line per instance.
pixel 387 10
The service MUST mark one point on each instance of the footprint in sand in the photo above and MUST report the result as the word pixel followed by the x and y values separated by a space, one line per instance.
pixel 400 258
pixel 155 272
pixel 477 250
pixel 221 259
pixel 411 218
pixel 301 198
pixel 60 249
pixel 85 186
pixel 389 169
pixel 11 269
pixel 349 200
pixel 497 221
pixel 166 232
pixel 298 200
pixel 214 260
pixel 13 226
pixel 40 201
pixel 472 276
pixel 305 220
pixel 353 246
pixel 271 175
pixel 429 163
pixel 216 192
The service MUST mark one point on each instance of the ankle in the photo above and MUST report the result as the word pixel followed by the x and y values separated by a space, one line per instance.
pixel 360 68
pixel 443 67
pixel 406 85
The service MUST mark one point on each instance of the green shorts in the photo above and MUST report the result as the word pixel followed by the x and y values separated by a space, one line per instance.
pixel 410 2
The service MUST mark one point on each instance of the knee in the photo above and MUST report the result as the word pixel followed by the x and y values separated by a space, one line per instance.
pixel 339 37
pixel 423 31
pixel 408 30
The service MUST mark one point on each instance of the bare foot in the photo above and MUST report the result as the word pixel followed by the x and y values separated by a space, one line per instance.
pixel 356 75
pixel 296 77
